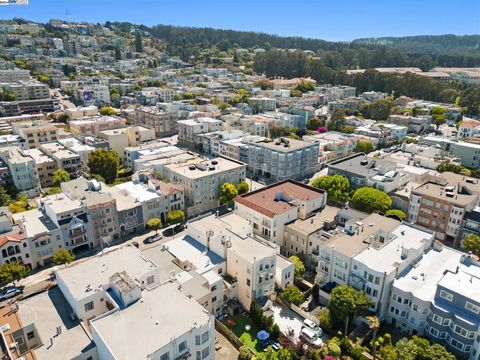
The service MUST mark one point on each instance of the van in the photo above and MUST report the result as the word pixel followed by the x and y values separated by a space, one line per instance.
pixel 312 326
pixel 310 336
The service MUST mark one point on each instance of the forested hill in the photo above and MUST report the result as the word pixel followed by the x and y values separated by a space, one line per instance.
pixel 468 45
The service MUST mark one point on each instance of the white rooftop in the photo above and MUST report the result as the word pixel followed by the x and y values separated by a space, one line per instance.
pixel 138 191
pixel 97 270
pixel 147 326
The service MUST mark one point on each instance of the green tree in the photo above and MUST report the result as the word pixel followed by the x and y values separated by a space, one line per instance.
pixel 104 163
pixel 244 353
pixel 242 187
pixel 175 216
pixel 12 272
pixel 293 295
pixel 299 266
pixel 304 86
pixel 228 192
pixel 5 198
pixel 314 124
pixel 21 204
pixel 325 318
pixel 396 214
pixel 370 200
pixel 154 224
pixel 60 176
pixel 374 325
pixel 438 115
pixel 471 242
pixel 63 256
pixel 106 110
pixel 279 131
pixel 337 120
pixel 447 166
pixel 364 147
pixel 346 302
pixel 138 42
pixel 378 109
pixel 336 186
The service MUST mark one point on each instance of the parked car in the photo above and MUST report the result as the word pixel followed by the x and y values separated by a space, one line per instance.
pixel 310 336
pixel 8 293
pixel 275 345
pixel 312 326
pixel 153 238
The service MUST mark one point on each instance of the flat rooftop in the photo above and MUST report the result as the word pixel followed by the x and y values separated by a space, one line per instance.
pixel 35 222
pixel 315 223
pixel 47 311
pixel 188 249
pixel 293 144
pixel 277 198
pixel 61 203
pixel 164 313
pixel 138 191
pixel 193 168
pixel 96 271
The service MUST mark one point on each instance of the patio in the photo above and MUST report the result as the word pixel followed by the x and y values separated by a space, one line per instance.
pixel 249 338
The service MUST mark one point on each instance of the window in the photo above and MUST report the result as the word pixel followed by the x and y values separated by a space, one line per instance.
pixel 197 340
pixel 150 280
pixel 182 347
pixel 30 335
pixel 165 356
pixel 472 307
pixel 433 332
pixel 248 282
pixel 205 352
pixel 198 356
pixel 415 307
pixel 205 337
pixel 461 331
pixel 437 319
pixel 456 344
pixel 445 295
pixel 446 322
pixel 89 306
pixel 443 335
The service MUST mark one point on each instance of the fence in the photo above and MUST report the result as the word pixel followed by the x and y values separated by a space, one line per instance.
pixel 234 340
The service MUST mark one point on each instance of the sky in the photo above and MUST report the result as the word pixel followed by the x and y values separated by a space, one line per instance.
pixel 325 19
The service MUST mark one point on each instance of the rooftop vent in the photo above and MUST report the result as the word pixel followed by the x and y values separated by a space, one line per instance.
pixel 214 162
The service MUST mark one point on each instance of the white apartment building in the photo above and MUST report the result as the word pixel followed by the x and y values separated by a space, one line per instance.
pixel 22 169
pixel 81 111
pixel 92 124
pixel 187 129
pixel 14 75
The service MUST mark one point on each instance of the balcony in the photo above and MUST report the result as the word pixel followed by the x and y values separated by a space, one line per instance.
pixel 184 356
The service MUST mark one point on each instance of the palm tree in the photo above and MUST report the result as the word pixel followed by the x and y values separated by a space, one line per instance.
pixel 374 325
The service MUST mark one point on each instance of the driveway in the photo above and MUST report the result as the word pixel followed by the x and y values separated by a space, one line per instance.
pixel 287 320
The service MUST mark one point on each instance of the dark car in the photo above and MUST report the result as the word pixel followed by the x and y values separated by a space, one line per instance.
pixel 136 244
pixel 8 293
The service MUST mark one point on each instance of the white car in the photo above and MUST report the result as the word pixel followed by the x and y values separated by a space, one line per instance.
pixel 310 336
pixel 312 326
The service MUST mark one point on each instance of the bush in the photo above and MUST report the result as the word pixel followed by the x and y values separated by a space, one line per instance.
pixel 175 216
pixel 244 353
pixel 396 214
pixel 370 200
pixel 293 295
pixel 325 318
pixel 334 349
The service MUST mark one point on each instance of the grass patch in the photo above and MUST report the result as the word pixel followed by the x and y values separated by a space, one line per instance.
pixel 249 338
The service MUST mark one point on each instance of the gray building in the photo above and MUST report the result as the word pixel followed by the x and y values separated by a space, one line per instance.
pixel 281 159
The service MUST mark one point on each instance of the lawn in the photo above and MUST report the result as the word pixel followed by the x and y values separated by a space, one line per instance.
pixel 249 338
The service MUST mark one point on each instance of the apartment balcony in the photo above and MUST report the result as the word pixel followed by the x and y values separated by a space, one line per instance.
pixel 184 356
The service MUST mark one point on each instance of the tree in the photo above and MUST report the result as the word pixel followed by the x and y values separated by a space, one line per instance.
pixel 293 295
pixel 106 110
pixel 104 163
pixel 337 120
pixel 138 42
pixel 370 200
pixel 228 192
pixel 12 272
pixel 242 187
pixel 21 204
pixel 175 216
pixel 5 198
pixel 305 86
pixel 314 124
pixel 63 256
pixel 60 176
pixel 299 267
pixel 438 115
pixel 447 166
pixel 471 242
pixel 374 325
pixel 396 214
pixel 244 353
pixel 154 224
pixel 378 109
pixel 336 186
pixel 364 147
pixel 325 318
pixel 346 302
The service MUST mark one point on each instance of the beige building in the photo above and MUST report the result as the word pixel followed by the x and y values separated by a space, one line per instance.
pixel 91 125
pixel 64 158
pixel 163 123
pixel 28 90
pixel 270 208
pixel 46 166
pixel 119 139
pixel 81 111
pixel 187 129
pixel 36 133
pixel 202 180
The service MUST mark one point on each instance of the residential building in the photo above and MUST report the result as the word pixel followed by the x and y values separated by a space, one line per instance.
pixel 262 104
pixel 187 129
pixel 438 298
pixel 14 75
pixel 101 207
pixel 36 133
pixel 202 180
pixel 416 124
pixel 81 112
pixel 23 169
pixel 164 123
pixel 16 108
pixel 28 90
pixel 65 159
pixel 282 159
pixel 45 165
pixel 269 209
pixel 467 152
pixel 91 125
pixel 333 145
pixel 133 156
pixel 92 94
pixel 119 139
pixel 440 204
pixel 289 84
pixel 362 170
pixel 78 148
